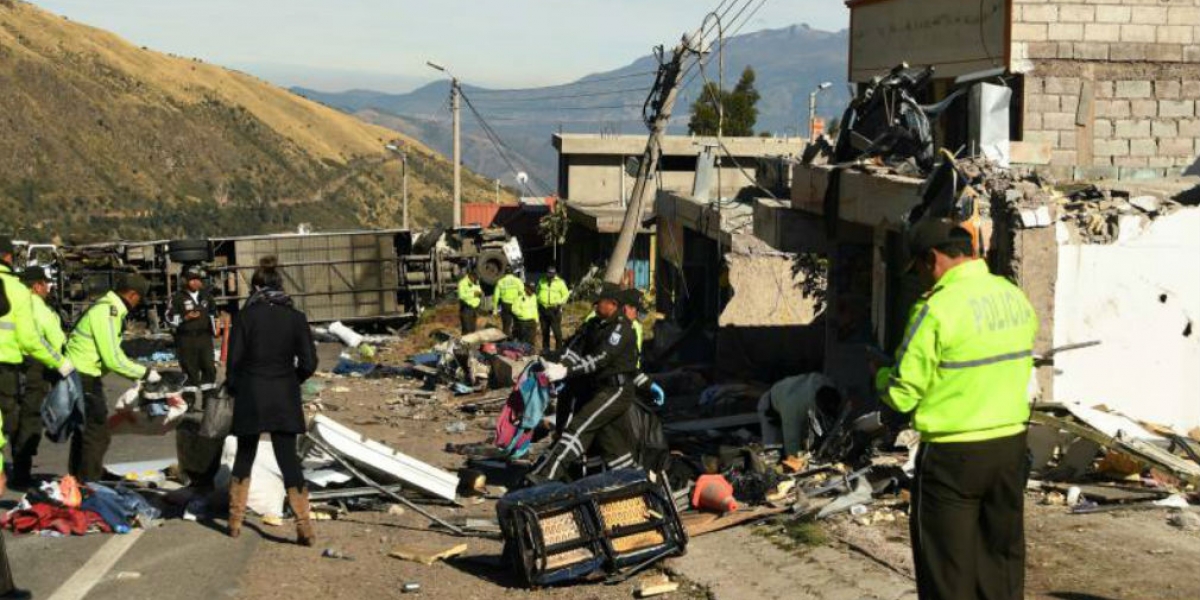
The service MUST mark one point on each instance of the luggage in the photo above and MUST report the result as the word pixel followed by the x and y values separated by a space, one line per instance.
pixel 523 411
pixel 606 525
pixel 63 409
pixel 217 420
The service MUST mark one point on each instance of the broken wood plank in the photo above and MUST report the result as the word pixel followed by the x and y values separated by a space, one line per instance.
pixel 699 523
pixel 655 586
pixel 1142 452
pixel 424 554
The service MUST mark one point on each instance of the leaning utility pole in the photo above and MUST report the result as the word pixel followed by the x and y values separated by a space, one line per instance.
pixel 455 100
pixel 661 101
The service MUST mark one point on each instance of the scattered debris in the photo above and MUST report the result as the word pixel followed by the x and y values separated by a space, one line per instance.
pixel 655 585
pixel 1185 520
pixel 425 554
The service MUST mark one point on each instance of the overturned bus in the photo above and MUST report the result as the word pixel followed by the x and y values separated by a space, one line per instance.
pixel 350 276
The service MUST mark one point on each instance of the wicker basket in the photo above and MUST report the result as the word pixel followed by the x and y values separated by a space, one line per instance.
pixel 634 510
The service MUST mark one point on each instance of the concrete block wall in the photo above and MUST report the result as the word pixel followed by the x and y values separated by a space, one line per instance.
pixel 1113 86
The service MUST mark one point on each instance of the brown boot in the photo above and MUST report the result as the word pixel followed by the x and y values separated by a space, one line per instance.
pixel 298 499
pixel 239 493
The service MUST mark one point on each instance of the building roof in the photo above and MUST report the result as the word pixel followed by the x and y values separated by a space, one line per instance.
pixel 674 145
pixel 603 218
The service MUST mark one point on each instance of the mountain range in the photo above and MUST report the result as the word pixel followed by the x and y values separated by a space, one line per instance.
pixel 103 139
pixel 789 62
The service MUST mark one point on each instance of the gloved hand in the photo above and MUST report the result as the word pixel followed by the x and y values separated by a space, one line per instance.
pixel 66 368
pixel 152 376
pixel 554 371
pixel 660 397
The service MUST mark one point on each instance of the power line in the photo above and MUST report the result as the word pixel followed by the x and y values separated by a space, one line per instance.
pixel 580 95
pixel 500 146
pixel 737 30
pixel 580 82
pixel 558 108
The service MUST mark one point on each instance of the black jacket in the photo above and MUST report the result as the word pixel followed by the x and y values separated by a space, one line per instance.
pixel 271 353
pixel 182 304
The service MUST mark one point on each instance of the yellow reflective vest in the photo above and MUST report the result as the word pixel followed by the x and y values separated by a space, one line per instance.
pixel 526 307
pixel 552 292
pixel 94 346
pixel 18 332
pixel 469 292
pixel 509 288
pixel 49 325
pixel 964 364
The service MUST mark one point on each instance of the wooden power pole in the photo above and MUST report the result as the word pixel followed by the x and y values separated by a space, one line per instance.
pixel 663 96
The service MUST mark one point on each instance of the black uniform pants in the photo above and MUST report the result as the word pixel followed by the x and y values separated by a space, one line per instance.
pixel 506 319
pixel 526 331
pixel 968 520
pixel 195 354
pixel 551 318
pixel 600 419
pixel 21 407
pixel 468 318
pixel 6 579
pixel 88 447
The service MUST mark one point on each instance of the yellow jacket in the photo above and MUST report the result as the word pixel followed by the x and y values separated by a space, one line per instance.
pixel 18 332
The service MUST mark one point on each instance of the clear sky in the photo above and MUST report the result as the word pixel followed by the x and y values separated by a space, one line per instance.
pixel 383 44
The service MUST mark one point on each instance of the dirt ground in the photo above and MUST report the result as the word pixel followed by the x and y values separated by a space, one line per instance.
pixel 1103 556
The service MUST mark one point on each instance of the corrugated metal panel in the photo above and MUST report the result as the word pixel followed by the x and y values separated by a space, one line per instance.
pixel 331 277
pixel 480 213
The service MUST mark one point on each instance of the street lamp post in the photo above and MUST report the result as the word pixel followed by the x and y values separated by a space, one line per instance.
pixel 812 109
pixel 455 96
pixel 403 181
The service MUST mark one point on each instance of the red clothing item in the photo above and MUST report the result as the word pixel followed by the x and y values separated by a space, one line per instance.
pixel 45 517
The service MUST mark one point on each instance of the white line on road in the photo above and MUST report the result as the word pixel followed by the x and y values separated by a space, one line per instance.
pixel 86 578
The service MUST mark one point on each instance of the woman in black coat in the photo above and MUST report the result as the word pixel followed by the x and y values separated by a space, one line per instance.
pixel 271 353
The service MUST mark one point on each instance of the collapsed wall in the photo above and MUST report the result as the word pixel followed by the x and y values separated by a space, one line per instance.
pixel 1139 296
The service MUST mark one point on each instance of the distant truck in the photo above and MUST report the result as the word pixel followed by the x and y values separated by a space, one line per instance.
pixel 350 276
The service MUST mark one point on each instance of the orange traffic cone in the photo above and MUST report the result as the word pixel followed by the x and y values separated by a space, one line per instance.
pixel 713 493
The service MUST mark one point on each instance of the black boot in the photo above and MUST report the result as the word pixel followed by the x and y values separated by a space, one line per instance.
pixel 22 474
pixel 17 594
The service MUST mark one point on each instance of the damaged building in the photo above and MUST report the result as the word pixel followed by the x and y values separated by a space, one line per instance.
pixel 596 175
pixel 1087 202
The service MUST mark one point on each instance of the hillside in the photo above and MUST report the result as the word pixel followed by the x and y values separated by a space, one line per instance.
pixel 103 139
pixel 790 63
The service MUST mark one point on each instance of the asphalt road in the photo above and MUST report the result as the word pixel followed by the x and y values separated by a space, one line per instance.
pixel 181 559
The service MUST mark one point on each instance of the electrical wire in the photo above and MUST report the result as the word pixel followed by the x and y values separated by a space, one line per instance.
pixel 581 82
pixel 565 96
pixel 500 146
pixel 736 30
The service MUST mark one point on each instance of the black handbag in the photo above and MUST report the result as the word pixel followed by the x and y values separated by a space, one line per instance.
pixel 217 420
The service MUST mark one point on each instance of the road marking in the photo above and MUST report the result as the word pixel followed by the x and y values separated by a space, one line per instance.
pixel 86 578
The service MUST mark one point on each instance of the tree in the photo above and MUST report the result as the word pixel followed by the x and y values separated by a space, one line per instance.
pixel 740 104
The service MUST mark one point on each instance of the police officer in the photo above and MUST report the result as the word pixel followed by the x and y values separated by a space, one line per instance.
pixel 94 346
pixel 525 315
pixel 552 294
pixel 18 339
pixel 192 314
pixel 508 289
pixel 962 370
pixel 470 295
pixel 49 327
pixel 603 372
pixel 8 589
